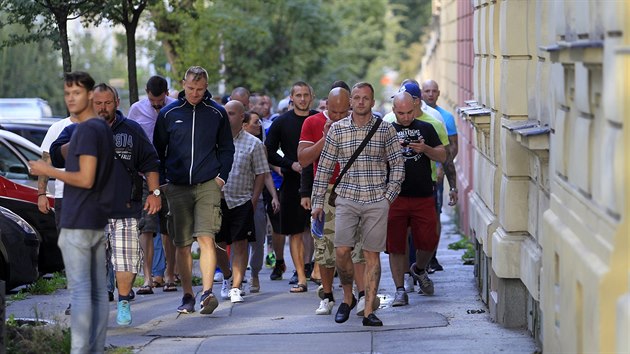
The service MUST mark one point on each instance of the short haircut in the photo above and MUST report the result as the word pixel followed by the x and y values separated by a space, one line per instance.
pixel 340 83
pixel 301 84
pixel 105 87
pixel 79 78
pixel 240 91
pixel 247 116
pixel 364 84
pixel 157 85
pixel 197 73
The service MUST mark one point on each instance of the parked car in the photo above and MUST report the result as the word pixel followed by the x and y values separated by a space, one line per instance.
pixel 15 152
pixel 32 129
pixel 24 108
pixel 19 248
pixel 22 200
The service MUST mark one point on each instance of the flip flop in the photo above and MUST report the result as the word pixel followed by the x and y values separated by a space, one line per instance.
pixel 168 287
pixel 298 288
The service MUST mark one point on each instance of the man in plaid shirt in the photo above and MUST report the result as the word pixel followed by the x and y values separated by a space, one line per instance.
pixel 240 197
pixel 364 194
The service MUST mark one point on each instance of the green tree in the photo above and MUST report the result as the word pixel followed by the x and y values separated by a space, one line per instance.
pixel 126 13
pixel 31 70
pixel 44 19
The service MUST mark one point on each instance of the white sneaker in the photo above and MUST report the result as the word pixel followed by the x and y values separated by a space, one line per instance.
pixel 235 295
pixel 225 289
pixel 325 307
pixel 218 277
pixel 400 298
pixel 361 305
pixel 409 287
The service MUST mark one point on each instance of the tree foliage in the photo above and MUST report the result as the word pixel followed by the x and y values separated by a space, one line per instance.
pixel 31 70
pixel 126 13
pixel 44 20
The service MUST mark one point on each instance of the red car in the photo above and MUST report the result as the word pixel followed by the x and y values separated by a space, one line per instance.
pixel 22 200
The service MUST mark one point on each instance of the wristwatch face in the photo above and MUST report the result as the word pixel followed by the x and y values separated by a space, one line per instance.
pixel 156 192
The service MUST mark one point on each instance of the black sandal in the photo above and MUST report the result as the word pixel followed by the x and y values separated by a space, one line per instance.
pixel 298 288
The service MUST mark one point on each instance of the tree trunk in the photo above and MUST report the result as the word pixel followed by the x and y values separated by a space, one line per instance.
pixel 131 63
pixel 63 43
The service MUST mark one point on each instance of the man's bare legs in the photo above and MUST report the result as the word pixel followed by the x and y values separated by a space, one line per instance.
pixel 169 254
pixel 372 279
pixel 207 261
pixel 239 262
pixel 345 269
pixel 146 243
pixel 297 255
pixel 398 265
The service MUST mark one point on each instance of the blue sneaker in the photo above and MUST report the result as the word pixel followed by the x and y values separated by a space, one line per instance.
pixel 123 318
pixel 188 304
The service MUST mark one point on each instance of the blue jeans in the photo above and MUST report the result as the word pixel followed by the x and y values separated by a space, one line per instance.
pixel 159 259
pixel 84 257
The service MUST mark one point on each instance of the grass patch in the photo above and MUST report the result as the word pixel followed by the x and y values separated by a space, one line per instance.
pixel 118 350
pixel 36 338
pixel 464 244
pixel 20 295
pixel 195 255
pixel 196 281
pixel 45 286
pixel 139 281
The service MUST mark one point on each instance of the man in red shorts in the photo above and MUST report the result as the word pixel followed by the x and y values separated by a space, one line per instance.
pixel 415 205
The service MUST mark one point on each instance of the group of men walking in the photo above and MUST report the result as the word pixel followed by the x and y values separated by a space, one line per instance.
pixel 205 167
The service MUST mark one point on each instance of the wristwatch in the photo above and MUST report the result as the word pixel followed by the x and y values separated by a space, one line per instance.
pixel 156 192
pixel 454 190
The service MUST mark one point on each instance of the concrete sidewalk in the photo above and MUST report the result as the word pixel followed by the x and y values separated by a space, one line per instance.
pixel 276 321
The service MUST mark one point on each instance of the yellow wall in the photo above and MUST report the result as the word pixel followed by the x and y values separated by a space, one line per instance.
pixel 551 210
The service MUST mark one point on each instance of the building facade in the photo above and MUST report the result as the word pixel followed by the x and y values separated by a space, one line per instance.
pixel 542 92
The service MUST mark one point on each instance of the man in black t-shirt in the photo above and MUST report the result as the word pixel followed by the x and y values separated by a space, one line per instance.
pixel 88 199
pixel 415 205
pixel 285 134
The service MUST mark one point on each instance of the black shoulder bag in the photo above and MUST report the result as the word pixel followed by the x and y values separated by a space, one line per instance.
pixel 333 195
pixel 136 181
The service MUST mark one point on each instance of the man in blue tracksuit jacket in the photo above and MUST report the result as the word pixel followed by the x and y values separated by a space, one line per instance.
pixel 193 140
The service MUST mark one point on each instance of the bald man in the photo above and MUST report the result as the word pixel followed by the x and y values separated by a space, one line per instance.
pixel 240 196
pixel 414 207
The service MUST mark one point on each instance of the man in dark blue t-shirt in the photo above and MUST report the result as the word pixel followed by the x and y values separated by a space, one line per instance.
pixel 88 196
pixel 415 205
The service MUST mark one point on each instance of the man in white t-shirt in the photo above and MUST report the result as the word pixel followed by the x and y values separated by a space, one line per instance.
pixel 42 181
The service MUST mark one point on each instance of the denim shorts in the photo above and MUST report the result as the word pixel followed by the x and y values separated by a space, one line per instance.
pixel 195 211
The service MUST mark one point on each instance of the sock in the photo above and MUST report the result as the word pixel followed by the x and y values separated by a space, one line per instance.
pixel 121 298
pixel 400 288
pixel 361 294
pixel 329 296
pixel 279 261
